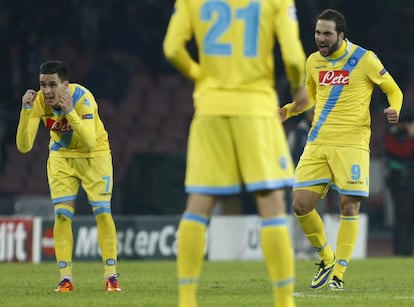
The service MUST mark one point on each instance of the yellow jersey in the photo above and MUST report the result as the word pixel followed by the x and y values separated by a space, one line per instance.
pixel 78 134
pixel 340 87
pixel 234 73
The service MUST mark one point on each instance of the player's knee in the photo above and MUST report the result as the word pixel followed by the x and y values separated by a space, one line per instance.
pixel 350 208
pixel 301 207
pixel 304 201
pixel 100 211
pixel 63 212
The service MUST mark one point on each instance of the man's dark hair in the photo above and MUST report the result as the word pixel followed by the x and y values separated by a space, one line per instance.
pixel 335 16
pixel 55 67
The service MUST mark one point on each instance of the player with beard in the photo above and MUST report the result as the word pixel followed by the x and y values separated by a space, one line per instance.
pixel 340 78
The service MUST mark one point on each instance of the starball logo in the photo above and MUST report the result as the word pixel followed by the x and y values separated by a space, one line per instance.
pixel 334 77
pixel 58 126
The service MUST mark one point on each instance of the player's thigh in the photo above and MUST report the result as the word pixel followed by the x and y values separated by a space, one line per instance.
pixel 63 182
pixel 350 170
pixel 263 153
pixel 313 172
pixel 211 161
pixel 97 181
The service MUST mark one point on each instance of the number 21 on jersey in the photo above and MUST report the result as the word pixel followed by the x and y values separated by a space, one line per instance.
pixel 224 16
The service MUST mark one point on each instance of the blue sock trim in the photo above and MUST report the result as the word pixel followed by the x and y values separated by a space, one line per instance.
pixel 187 281
pixel 320 248
pixel 189 216
pixel 274 221
pixel 100 210
pixel 65 212
pixel 350 218
pixel 283 283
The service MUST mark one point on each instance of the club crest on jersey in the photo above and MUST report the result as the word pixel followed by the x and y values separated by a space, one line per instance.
pixel 60 126
pixel 334 77
pixel 87 102
pixel 353 61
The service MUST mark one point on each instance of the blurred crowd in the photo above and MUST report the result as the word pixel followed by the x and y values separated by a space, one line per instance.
pixel 105 41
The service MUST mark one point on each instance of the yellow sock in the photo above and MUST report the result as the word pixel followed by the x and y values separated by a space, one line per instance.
pixel 107 239
pixel 278 255
pixel 312 226
pixel 191 245
pixel 347 237
pixel 63 238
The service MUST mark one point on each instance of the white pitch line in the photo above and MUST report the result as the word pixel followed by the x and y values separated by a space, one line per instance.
pixel 301 294
pixel 313 295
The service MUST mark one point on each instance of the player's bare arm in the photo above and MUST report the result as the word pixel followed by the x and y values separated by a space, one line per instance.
pixel 299 105
pixel 301 100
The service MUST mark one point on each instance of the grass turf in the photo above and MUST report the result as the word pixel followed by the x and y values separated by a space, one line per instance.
pixel 370 282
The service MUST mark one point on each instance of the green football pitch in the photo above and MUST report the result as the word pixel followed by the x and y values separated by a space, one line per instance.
pixel 379 282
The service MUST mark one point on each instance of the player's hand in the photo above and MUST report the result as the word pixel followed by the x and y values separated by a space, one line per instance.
pixel 283 114
pixel 65 100
pixel 392 116
pixel 28 98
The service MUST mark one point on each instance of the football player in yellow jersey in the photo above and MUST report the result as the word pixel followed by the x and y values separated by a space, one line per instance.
pixel 236 136
pixel 79 153
pixel 340 78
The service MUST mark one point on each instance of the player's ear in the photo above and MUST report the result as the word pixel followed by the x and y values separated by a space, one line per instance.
pixel 66 83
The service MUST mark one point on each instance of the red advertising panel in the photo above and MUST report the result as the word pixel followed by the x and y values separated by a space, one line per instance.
pixel 47 243
pixel 18 239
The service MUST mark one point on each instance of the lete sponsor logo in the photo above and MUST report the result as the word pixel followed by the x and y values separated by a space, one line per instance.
pixel 58 126
pixel 334 77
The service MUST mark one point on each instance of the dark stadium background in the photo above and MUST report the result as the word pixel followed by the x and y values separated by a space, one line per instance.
pixel 115 49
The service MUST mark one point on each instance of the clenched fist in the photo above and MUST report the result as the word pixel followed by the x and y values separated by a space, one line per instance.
pixel 392 116
pixel 28 98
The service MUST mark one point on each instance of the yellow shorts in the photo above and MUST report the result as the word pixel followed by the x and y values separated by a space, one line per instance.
pixel 226 152
pixel 95 174
pixel 344 169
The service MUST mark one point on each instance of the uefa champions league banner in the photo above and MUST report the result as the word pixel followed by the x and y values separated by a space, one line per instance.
pixel 238 237
pixel 30 239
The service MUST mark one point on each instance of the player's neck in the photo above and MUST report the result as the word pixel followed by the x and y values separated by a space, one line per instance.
pixel 340 51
